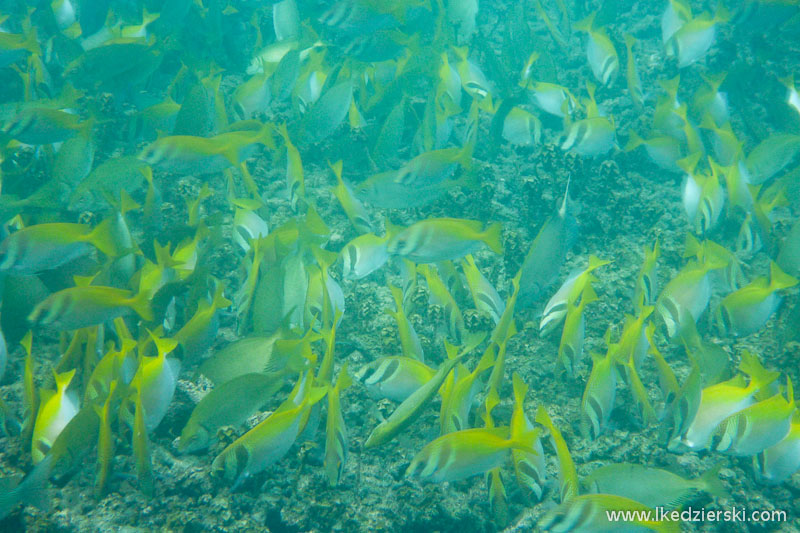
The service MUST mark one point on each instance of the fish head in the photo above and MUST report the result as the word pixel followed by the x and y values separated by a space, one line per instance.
pixel 400 244
pixel 232 465
pixel 194 437
pixel 153 153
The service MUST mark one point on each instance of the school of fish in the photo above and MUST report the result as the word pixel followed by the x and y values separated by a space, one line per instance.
pixel 200 190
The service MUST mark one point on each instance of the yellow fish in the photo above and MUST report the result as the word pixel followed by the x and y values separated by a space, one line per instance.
pixel 442 239
pixel 466 453
pixel 268 441
pixel 56 410
pixel 82 306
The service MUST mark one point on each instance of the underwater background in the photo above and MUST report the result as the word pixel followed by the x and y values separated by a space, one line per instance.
pixel 414 265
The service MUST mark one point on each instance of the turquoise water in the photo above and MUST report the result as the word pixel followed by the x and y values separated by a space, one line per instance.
pixel 370 265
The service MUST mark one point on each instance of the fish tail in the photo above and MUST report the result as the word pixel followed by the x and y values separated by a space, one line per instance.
pixel 397 296
pixel 634 141
pixel 492 401
pixel 714 259
pixel 778 279
pixel 141 304
pixel 102 238
pixel 487 360
pixel 315 394
pixel 595 263
pixel 9 495
pixel 465 155
pixel 714 80
pixel 759 376
pixel 232 154
pixel 32 490
pixel 586 24
pixel 267 136
pixel 543 418
pixel 492 238
pixel 391 229
pixel 656 252
pixel 63 380
pixel 722 14
pixel 219 301
pixel 711 483
pixel 520 389
pixel 8 422
pixel 524 441
pixel 31 43
pixel 344 379
pixel 164 345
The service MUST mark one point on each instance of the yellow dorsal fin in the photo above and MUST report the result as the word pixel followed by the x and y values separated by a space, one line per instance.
pixel 337 169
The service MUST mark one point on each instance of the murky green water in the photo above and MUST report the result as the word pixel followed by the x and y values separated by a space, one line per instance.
pixel 413 265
